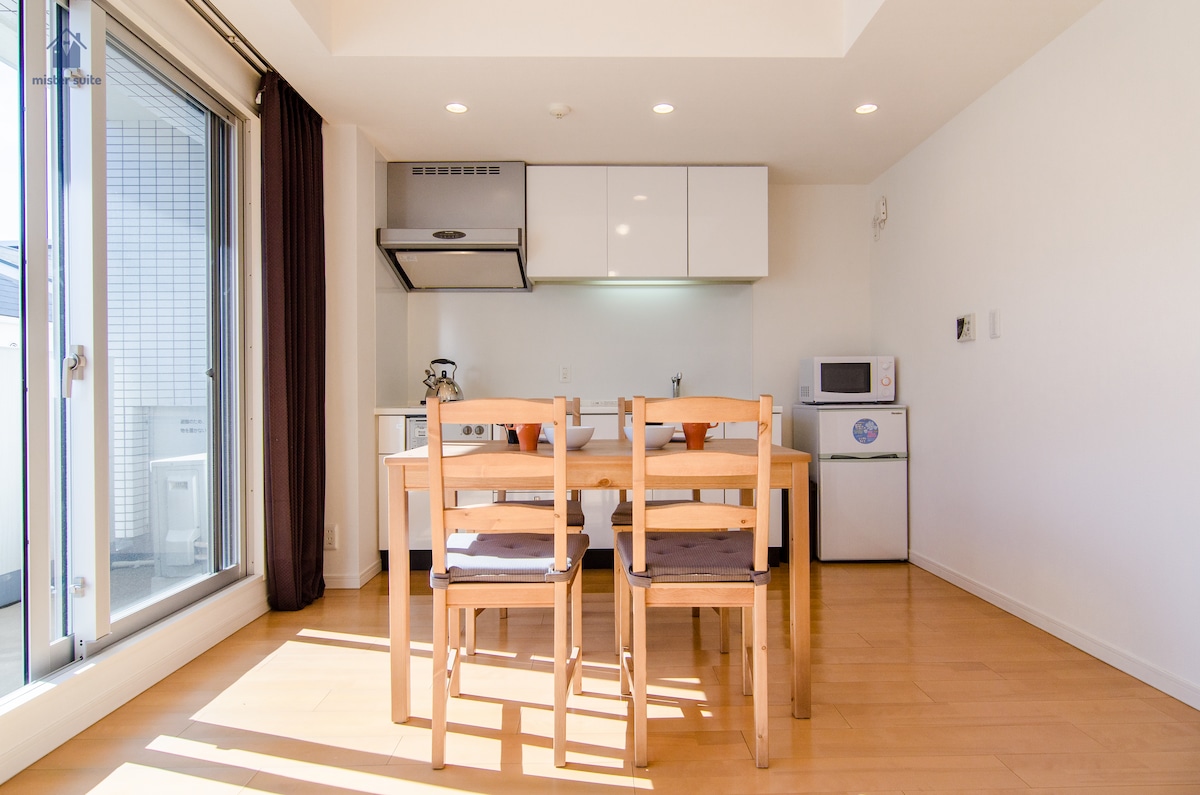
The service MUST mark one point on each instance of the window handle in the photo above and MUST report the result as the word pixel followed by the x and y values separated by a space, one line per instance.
pixel 73 365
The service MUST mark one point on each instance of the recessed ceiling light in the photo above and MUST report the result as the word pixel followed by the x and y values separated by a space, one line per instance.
pixel 664 107
pixel 862 110
pixel 457 107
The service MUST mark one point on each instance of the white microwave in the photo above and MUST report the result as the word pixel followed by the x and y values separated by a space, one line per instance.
pixel 848 379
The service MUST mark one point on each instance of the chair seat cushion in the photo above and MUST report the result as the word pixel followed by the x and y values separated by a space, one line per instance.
pixel 692 557
pixel 623 515
pixel 574 509
pixel 507 557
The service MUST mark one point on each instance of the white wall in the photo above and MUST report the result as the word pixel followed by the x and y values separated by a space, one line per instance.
pixel 391 313
pixel 816 300
pixel 1053 469
pixel 350 254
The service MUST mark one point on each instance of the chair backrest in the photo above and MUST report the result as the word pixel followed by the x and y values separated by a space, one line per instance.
pixel 574 412
pixel 716 467
pixel 624 410
pixel 493 465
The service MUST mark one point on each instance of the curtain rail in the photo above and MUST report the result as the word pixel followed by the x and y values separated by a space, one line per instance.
pixel 232 35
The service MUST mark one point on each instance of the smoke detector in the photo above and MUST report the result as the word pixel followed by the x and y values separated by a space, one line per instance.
pixel 558 110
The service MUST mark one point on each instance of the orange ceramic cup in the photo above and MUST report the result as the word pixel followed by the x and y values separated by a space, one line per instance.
pixel 527 435
pixel 694 433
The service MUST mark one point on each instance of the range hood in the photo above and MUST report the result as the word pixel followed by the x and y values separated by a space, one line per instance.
pixel 456 226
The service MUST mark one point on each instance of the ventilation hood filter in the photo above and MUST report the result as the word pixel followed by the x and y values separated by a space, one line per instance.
pixel 456 226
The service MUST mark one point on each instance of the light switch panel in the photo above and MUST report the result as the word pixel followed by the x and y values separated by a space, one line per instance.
pixel 966 327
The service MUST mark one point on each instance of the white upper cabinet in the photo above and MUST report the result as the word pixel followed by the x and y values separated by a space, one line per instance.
pixel 647 222
pixel 727 222
pixel 565 212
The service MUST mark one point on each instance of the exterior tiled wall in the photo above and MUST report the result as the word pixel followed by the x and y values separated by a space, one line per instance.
pixel 157 297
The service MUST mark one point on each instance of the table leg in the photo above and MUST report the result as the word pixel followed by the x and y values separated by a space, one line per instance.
pixel 798 572
pixel 398 593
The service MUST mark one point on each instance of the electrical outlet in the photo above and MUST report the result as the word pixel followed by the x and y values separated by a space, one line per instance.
pixel 966 328
pixel 564 374
pixel 331 536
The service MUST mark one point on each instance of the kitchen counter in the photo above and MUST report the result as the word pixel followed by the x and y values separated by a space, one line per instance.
pixel 411 410
pixel 585 407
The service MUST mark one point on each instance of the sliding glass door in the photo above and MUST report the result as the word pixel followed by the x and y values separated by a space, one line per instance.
pixel 125 385
pixel 12 469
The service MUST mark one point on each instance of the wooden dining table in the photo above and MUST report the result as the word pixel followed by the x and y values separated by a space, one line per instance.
pixel 601 464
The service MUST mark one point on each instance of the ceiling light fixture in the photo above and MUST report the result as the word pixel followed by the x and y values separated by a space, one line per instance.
pixel 664 107
pixel 457 107
pixel 863 110
pixel 558 110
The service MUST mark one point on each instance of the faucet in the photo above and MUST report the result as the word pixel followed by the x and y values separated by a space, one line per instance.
pixel 675 379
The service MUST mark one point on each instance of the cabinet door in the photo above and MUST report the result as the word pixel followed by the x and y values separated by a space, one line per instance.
pixel 647 222
pixel 566 209
pixel 727 222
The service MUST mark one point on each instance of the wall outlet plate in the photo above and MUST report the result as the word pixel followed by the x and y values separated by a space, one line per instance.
pixel 966 327
pixel 331 536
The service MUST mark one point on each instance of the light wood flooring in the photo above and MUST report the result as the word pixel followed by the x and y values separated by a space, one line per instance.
pixel 918 687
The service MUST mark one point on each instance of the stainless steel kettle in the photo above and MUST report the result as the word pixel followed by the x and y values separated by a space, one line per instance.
pixel 443 387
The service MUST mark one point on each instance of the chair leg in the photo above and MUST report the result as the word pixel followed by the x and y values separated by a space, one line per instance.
pixel 639 677
pixel 622 598
pixel 723 612
pixel 560 674
pixel 617 601
pixel 503 613
pixel 747 651
pixel 760 676
pixel 472 618
pixel 577 633
pixel 695 612
pixel 455 634
pixel 441 644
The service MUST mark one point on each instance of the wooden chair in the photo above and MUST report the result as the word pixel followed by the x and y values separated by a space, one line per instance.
pixel 622 520
pixel 503 554
pixel 670 558
pixel 575 522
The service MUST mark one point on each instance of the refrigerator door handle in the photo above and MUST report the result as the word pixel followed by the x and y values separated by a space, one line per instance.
pixel 883 457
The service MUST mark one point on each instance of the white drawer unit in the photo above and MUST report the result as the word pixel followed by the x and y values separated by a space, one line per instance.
pixel 397 433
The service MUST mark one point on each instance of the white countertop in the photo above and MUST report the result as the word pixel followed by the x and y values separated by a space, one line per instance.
pixel 412 410
pixel 585 407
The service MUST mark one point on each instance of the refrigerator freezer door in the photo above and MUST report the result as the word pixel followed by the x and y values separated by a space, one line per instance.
pixel 863 431
pixel 863 510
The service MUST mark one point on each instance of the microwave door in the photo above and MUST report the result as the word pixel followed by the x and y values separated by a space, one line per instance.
pixel 851 379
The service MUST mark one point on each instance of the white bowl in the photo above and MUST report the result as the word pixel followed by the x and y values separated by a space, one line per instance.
pixel 656 435
pixel 577 435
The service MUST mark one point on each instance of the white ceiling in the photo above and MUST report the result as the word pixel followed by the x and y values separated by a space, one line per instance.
pixel 771 82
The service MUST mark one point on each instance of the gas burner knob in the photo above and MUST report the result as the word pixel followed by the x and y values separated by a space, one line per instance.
pixel 466 430
pixel 479 430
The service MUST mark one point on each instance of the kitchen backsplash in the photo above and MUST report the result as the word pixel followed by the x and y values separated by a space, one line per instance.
pixel 614 340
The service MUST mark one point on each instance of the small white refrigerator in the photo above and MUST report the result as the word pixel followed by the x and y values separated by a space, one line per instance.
pixel 860 455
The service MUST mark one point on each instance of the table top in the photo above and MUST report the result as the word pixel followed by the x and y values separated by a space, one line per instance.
pixel 602 463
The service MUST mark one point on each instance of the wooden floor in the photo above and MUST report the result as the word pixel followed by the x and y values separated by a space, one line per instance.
pixel 918 687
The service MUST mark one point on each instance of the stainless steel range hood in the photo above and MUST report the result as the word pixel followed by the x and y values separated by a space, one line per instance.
pixel 456 226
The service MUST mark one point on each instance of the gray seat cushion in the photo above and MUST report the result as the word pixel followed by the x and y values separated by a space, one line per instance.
pixel 507 557
pixel 574 509
pixel 692 557
pixel 623 515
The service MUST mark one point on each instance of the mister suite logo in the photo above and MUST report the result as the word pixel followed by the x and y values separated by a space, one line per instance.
pixel 65 52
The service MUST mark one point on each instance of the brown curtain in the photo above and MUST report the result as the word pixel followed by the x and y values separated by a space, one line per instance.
pixel 293 211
